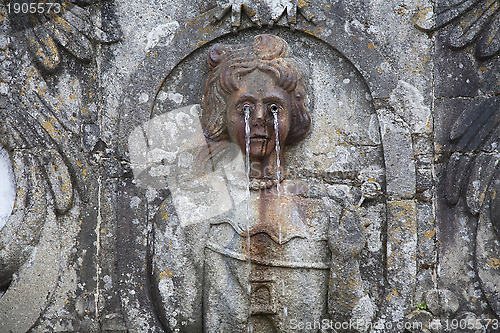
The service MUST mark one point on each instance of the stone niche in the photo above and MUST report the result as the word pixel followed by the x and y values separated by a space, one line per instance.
pixel 380 216
pixel 340 158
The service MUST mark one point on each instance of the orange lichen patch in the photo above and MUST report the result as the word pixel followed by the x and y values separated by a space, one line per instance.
pixel 165 274
pixel 483 69
pixel 401 10
pixel 316 32
pixel 63 22
pixel 206 29
pixel 404 210
pixel 302 3
pixel 429 234
pixel 250 12
pixel 49 127
pixel 393 294
pixel 65 182
pixel 371 46
pixel 494 263
pixel 50 60
pixel 489 7
pixel 200 43
pixel 421 15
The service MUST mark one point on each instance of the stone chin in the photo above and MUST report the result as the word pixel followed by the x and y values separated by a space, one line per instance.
pixel 260 148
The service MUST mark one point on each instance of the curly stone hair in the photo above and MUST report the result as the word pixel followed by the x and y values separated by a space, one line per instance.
pixel 228 63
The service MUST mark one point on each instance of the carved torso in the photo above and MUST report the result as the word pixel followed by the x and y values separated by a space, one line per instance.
pixel 272 283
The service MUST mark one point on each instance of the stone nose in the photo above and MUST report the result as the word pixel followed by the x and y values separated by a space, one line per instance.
pixel 259 115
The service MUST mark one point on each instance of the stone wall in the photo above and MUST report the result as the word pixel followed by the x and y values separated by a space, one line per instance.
pixel 403 97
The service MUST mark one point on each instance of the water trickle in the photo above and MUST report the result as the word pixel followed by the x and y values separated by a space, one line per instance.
pixel 277 147
pixel 247 170
pixel 278 190
pixel 278 167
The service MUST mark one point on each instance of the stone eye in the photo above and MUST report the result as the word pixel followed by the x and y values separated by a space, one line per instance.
pixel 246 108
pixel 273 108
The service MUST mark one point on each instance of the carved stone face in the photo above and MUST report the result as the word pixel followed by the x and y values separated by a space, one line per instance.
pixel 261 97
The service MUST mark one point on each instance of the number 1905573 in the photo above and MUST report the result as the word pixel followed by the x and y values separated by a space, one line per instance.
pixel 34 8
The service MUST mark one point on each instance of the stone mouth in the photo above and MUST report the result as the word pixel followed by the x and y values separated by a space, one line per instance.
pixel 260 137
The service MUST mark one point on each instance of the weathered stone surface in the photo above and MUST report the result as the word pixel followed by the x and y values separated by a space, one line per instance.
pixel 388 214
pixel 442 303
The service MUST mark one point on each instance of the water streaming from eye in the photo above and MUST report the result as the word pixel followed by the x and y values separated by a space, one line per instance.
pixel 278 185
pixel 247 169
pixel 278 165
pixel 278 161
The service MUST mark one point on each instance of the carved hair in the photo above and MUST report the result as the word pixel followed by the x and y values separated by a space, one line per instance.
pixel 228 63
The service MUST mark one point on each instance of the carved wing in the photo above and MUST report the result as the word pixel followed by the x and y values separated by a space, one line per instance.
pixel 473 169
pixel 473 173
pixel 67 24
pixel 47 164
pixel 477 21
pixel 42 137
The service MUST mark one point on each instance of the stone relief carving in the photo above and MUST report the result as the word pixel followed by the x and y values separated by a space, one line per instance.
pixel 266 12
pixel 55 25
pixel 47 128
pixel 472 179
pixel 45 162
pixel 473 22
pixel 248 260
pixel 343 170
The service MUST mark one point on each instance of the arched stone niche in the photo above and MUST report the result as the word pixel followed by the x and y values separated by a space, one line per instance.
pixel 349 154
pixel 340 156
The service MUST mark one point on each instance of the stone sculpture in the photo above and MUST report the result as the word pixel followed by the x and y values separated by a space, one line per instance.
pixel 132 210
pixel 287 253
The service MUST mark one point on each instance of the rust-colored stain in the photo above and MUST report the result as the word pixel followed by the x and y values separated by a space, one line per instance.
pixel 263 87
